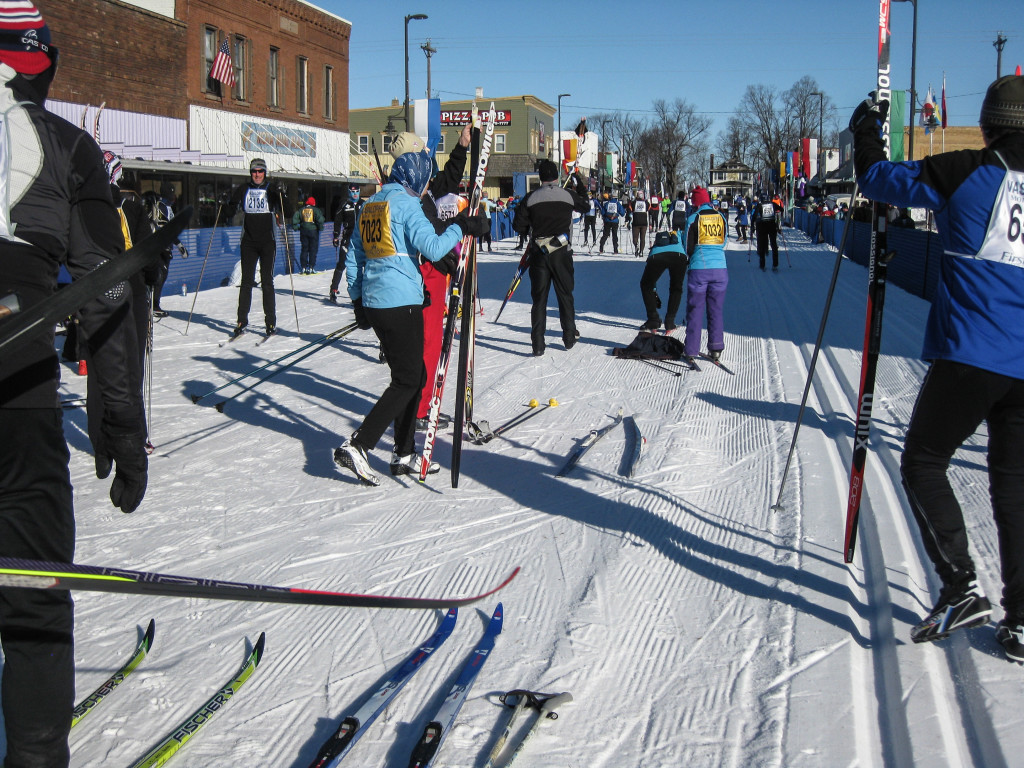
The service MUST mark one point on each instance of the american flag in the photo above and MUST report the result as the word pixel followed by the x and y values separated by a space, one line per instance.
pixel 223 68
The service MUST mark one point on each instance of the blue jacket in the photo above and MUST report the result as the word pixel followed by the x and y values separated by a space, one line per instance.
pixel 977 315
pixel 381 265
pixel 707 232
pixel 611 210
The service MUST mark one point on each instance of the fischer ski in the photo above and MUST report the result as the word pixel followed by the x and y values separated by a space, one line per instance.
pixel 878 260
pixel 181 735
pixel 39 574
pixel 441 723
pixel 22 325
pixel 353 726
pixel 545 704
pixel 639 444
pixel 454 298
pixel 97 697
pixel 586 444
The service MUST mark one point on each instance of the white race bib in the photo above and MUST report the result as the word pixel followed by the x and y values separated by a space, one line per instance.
pixel 1004 238
pixel 256 201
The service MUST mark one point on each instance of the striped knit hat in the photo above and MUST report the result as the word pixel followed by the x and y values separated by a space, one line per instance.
pixel 24 37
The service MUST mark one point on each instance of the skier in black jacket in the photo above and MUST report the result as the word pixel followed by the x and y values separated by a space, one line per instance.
pixel 344 224
pixel 261 204
pixel 62 213
pixel 547 214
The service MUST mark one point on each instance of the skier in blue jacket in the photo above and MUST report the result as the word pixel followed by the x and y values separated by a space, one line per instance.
pixel 611 213
pixel 386 288
pixel 973 340
pixel 706 235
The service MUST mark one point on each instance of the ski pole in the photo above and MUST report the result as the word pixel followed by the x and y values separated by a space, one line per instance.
pixel 202 271
pixel 149 375
pixel 341 332
pixel 288 258
pixel 817 348
pixel 323 344
pixel 658 365
pixel 785 247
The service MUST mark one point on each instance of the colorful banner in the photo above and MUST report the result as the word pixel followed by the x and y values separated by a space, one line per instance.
pixel 897 123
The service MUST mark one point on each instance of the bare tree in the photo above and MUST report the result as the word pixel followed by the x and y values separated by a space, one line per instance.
pixel 675 131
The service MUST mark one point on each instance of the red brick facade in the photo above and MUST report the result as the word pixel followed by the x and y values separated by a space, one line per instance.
pixel 140 61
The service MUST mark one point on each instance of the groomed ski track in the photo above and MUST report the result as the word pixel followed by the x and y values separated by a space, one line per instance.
pixel 686 617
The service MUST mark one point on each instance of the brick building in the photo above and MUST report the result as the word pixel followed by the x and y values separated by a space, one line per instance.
pixel 148 63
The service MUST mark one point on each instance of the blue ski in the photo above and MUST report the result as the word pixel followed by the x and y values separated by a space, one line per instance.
pixel 440 725
pixel 354 725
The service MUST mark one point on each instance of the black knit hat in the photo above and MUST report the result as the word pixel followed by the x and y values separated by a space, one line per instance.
pixel 1003 106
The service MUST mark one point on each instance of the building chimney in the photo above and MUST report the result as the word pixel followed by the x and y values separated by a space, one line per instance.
pixel 394 102
pixel 479 92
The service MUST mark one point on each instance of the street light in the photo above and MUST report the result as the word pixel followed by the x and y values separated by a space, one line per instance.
pixel 913 75
pixel 561 157
pixel 821 139
pixel 418 17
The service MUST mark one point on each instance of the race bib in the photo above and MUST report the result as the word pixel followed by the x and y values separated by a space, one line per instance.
pixel 449 206
pixel 767 211
pixel 375 229
pixel 680 206
pixel 256 201
pixel 611 211
pixel 710 229
pixel 1004 238
pixel 640 206
pixel 307 215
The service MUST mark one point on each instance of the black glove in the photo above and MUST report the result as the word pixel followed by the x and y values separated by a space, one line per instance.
pixel 580 184
pixel 869 109
pixel 123 443
pixel 447 264
pixel 183 251
pixel 335 241
pixel 476 225
pixel 362 321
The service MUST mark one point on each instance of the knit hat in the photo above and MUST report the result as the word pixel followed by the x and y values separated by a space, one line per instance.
pixel 1003 106
pixel 406 142
pixel 413 171
pixel 258 163
pixel 311 201
pixel 700 196
pixel 547 170
pixel 24 38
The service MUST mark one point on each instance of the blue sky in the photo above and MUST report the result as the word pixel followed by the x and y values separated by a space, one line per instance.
pixel 619 56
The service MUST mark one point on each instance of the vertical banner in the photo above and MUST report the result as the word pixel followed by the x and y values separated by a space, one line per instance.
pixel 426 122
pixel 569 147
pixel 897 123
pixel 811 158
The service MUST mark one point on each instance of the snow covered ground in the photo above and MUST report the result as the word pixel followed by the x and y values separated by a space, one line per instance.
pixel 692 624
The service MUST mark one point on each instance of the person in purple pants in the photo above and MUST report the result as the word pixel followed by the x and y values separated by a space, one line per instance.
pixel 706 235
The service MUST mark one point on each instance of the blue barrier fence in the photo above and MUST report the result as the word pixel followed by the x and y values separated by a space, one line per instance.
pixel 222 244
pixel 916 266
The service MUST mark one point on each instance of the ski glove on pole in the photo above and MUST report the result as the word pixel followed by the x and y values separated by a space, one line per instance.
pixel 123 443
pixel 869 109
pixel 472 225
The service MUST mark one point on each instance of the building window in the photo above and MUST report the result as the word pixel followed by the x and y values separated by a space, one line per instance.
pixel 385 144
pixel 240 56
pixel 274 78
pixel 210 45
pixel 440 144
pixel 363 142
pixel 329 92
pixel 302 85
pixel 499 142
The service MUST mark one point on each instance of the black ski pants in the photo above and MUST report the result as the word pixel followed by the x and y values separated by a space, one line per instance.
pixel 590 227
pixel 547 269
pixel 339 268
pixel 954 400
pixel 657 264
pixel 37 522
pixel 264 254
pixel 767 232
pixel 610 228
pixel 400 330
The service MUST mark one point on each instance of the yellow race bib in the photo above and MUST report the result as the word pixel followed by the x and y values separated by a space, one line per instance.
pixel 710 229
pixel 375 229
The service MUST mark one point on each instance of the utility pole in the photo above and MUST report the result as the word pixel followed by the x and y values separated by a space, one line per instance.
pixel 429 50
pixel 998 45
